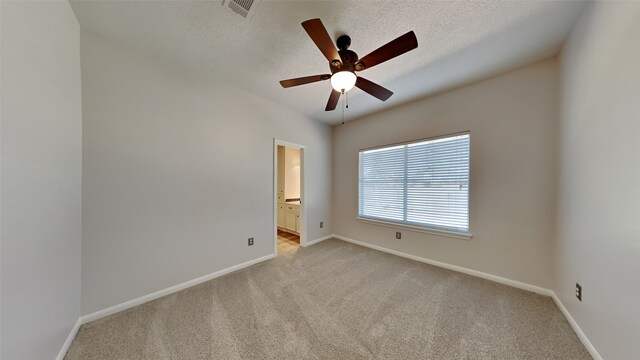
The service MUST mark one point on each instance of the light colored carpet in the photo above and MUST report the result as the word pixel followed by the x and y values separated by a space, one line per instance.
pixel 336 300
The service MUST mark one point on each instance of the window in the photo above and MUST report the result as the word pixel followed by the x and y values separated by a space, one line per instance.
pixel 422 184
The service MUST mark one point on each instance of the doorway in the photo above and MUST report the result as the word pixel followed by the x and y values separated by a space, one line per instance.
pixel 289 196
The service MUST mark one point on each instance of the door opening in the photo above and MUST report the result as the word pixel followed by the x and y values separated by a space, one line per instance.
pixel 289 199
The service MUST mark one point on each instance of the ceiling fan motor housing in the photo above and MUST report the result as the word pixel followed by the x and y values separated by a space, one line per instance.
pixel 349 59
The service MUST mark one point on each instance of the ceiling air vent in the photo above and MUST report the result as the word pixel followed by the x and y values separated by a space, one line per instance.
pixel 241 6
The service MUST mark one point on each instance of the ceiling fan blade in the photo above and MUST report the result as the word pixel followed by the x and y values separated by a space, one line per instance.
pixel 333 100
pixel 304 80
pixel 373 89
pixel 318 33
pixel 399 46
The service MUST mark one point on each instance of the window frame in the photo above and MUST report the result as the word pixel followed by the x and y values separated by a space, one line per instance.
pixel 434 230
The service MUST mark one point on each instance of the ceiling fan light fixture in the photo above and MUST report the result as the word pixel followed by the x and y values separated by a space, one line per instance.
pixel 343 81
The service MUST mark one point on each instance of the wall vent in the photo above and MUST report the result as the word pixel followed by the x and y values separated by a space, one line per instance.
pixel 241 7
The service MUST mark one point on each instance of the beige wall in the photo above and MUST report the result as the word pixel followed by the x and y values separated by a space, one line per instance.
pixel 598 242
pixel 41 178
pixel 512 119
pixel 178 173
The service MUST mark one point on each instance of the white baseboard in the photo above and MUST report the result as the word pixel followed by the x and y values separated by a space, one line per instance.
pixel 517 284
pixel 581 335
pixel 67 343
pixel 313 242
pixel 494 278
pixel 170 290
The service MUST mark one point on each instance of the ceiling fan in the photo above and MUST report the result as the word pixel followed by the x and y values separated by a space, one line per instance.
pixel 344 63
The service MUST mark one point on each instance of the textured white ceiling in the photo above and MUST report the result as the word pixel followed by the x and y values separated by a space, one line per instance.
pixel 459 42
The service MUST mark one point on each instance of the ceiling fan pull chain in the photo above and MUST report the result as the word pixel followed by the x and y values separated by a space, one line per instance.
pixel 347 100
pixel 343 106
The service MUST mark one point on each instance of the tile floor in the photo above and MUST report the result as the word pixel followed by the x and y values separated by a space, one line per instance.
pixel 287 241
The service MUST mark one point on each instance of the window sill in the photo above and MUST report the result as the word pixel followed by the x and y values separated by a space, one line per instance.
pixel 451 234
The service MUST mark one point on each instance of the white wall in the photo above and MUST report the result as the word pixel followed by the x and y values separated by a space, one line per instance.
pixel 599 205
pixel 291 173
pixel 512 119
pixel 178 173
pixel 41 178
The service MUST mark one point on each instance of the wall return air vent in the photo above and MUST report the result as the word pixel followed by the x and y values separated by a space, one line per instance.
pixel 241 7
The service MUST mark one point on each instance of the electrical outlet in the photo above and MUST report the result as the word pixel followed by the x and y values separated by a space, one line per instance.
pixel 250 241
pixel 398 235
pixel 579 291
pixel 321 224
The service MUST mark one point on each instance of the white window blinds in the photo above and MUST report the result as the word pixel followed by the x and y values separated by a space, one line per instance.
pixel 423 183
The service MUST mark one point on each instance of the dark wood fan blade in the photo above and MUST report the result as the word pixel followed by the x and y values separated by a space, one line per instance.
pixel 304 80
pixel 373 89
pixel 399 46
pixel 333 100
pixel 318 33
